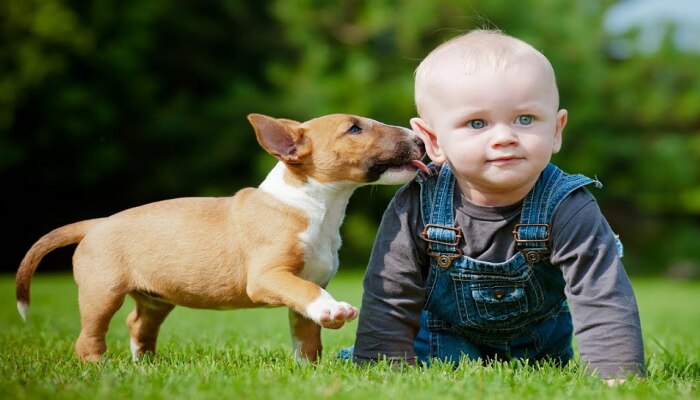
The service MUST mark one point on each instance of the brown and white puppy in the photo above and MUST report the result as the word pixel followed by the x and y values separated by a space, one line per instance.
pixel 276 245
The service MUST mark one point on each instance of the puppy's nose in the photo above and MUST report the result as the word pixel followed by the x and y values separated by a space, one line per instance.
pixel 418 142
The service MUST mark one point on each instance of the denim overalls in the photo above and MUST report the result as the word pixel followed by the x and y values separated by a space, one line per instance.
pixel 506 310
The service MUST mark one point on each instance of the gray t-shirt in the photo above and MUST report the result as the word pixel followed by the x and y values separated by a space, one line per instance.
pixel 603 306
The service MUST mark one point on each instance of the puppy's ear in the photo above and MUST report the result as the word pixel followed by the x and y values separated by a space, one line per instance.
pixel 283 138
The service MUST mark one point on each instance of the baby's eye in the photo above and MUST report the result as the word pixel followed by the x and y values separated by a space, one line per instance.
pixel 525 119
pixel 476 124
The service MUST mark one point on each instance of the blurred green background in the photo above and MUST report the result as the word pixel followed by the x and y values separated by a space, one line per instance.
pixel 109 104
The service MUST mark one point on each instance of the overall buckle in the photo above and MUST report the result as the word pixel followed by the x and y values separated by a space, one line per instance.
pixel 532 255
pixel 444 260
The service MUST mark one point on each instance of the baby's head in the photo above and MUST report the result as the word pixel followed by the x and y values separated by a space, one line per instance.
pixel 468 53
pixel 488 105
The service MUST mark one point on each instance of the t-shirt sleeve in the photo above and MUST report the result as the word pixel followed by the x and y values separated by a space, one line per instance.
pixel 603 305
pixel 393 285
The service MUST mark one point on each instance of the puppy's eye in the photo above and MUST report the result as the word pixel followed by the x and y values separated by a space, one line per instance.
pixel 354 129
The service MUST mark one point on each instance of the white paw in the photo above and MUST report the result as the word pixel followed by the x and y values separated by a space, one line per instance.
pixel 329 313
pixel 134 350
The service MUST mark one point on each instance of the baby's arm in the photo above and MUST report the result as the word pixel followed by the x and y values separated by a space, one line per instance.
pixel 393 286
pixel 603 305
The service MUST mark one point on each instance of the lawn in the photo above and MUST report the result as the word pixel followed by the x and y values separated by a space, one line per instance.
pixel 245 354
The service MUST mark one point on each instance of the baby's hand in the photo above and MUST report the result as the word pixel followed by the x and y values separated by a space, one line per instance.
pixel 614 381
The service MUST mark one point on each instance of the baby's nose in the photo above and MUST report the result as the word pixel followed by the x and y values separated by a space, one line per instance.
pixel 503 135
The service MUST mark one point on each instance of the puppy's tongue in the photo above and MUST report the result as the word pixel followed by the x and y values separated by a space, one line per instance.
pixel 419 164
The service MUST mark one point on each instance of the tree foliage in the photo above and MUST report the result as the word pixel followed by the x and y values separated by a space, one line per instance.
pixel 110 104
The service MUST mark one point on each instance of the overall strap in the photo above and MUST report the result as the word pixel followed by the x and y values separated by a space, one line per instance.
pixel 533 233
pixel 428 185
pixel 439 231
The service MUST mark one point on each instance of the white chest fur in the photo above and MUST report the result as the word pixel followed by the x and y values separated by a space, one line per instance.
pixel 324 205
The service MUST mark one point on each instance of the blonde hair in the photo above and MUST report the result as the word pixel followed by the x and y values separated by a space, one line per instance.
pixel 479 48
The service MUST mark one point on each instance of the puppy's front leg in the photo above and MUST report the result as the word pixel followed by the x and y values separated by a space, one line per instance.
pixel 282 288
pixel 306 337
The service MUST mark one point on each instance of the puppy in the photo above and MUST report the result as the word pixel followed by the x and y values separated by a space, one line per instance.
pixel 275 245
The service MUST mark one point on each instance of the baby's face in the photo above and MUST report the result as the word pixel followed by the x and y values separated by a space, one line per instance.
pixel 497 129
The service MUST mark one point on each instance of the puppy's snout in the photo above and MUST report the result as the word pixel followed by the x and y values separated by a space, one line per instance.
pixel 419 143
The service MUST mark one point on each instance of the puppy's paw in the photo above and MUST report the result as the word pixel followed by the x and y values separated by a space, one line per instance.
pixel 329 313
pixel 336 316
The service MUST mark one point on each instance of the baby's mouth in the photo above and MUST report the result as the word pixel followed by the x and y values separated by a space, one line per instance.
pixel 505 159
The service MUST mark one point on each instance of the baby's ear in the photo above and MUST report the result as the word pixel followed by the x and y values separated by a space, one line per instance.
pixel 562 117
pixel 429 137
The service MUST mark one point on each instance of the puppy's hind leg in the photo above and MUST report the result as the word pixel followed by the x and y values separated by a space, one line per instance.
pixel 144 323
pixel 97 307
pixel 306 337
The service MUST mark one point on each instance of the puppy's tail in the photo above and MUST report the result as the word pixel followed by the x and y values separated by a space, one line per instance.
pixel 60 237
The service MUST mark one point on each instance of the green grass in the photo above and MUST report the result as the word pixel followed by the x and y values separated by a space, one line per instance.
pixel 244 354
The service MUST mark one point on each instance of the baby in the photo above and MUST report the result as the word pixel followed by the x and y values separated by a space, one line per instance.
pixel 478 256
